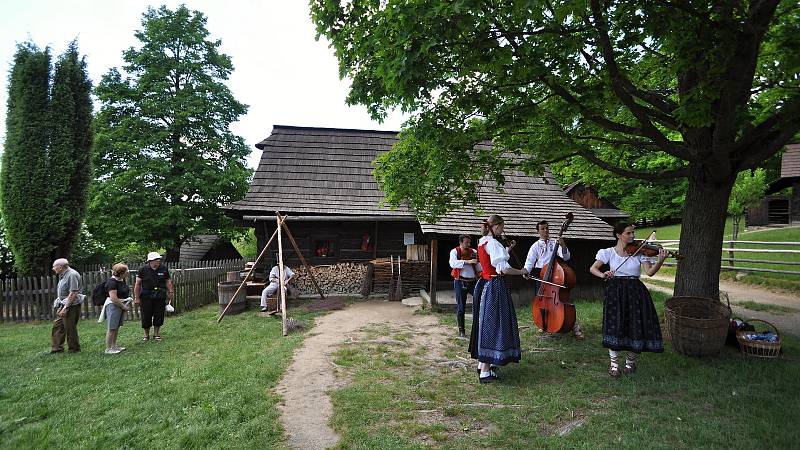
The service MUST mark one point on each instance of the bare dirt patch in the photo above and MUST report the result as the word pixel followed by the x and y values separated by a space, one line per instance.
pixel 306 409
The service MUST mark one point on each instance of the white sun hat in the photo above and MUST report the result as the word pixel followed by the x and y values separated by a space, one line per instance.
pixel 153 256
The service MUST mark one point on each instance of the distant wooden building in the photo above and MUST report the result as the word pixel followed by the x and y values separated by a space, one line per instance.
pixel 208 247
pixel 778 209
pixel 588 197
pixel 322 178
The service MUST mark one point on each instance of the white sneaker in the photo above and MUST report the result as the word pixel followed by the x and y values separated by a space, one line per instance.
pixel 112 351
pixel 120 348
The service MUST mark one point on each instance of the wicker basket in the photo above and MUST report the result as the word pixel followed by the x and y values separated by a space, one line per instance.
pixel 697 326
pixel 759 349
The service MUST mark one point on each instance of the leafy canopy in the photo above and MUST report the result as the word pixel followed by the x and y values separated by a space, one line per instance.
pixel 646 90
pixel 165 156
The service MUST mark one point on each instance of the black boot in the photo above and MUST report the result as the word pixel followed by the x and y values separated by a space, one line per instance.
pixel 460 318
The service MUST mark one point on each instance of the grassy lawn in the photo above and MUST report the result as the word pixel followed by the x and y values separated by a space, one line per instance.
pixel 204 386
pixel 560 396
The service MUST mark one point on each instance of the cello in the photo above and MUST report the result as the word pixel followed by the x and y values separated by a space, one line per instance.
pixel 552 311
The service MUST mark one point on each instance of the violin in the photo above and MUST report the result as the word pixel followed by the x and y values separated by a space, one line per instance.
pixel 649 249
pixel 552 311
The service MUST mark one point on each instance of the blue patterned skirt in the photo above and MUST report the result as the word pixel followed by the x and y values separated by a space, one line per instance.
pixel 498 335
pixel 630 321
pixel 476 314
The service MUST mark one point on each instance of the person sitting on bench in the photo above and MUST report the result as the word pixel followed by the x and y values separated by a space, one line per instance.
pixel 274 284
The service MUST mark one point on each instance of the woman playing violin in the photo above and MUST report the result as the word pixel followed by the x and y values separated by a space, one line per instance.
pixel 498 334
pixel 630 321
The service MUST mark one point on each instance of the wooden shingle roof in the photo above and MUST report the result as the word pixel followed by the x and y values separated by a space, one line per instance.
pixel 195 250
pixel 319 171
pixel 790 162
pixel 323 171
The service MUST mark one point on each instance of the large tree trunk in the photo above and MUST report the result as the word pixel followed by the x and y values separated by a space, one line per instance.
pixel 701 234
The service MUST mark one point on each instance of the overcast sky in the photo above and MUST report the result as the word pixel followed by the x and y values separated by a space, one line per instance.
pixel 281 72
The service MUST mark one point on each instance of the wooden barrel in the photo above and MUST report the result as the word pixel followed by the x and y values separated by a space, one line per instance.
pixel 233 276
pixel 225 291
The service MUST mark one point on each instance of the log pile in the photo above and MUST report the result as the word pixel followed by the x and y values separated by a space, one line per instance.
pixel 342 278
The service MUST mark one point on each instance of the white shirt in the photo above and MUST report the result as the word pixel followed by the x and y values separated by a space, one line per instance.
pixel 274 274
pixel 631 268
pixel 498 255
pixel 467 270
pixel 541 252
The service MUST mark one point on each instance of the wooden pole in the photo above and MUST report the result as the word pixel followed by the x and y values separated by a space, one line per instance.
pixel 219 319
pixel 280 272
pixel 303 260
pixel 434 269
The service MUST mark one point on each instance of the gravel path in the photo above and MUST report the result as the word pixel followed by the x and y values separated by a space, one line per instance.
pixel 306 409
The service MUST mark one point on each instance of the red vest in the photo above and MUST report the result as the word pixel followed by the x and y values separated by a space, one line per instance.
pixel 456 273
pixel 486 263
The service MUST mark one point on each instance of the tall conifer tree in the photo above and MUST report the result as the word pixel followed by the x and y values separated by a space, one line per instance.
pixel 46 162
pixel 24 180
pixel 70 148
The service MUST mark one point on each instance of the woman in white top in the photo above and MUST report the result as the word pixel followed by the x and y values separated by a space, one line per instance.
pixel 630 321
pixel 498 336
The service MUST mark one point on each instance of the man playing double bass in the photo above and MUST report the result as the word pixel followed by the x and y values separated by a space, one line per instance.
pixel 540 253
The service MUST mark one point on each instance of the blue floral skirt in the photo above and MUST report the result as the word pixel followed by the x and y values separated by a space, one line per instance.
pixel 630 321
pixel 498 334
pixel 476 314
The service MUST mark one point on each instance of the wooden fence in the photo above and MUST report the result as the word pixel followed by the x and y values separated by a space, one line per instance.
pixel 731 262
pixel 25 299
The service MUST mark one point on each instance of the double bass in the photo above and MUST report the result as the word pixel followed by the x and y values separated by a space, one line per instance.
pixel 552 311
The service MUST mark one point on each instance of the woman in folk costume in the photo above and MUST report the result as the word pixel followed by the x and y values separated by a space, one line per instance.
pixel 476 307
pixel 630 321
pixel 498 334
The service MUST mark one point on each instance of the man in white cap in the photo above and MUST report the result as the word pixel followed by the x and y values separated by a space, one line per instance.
pixel 152 291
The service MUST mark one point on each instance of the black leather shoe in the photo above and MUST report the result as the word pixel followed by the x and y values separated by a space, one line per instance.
pixel 489 379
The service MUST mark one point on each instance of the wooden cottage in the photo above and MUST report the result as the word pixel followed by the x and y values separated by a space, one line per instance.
pixel 208 247
pixel 588 197
pixel 322 179
pixel 775 209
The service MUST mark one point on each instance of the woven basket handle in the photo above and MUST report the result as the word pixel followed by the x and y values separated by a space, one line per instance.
pixel 727 299
pixel 777 332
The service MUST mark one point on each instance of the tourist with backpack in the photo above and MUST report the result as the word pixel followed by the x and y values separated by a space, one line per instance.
pixel 116 304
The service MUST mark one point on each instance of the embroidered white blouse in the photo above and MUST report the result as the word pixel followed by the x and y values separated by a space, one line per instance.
pixel 541 252
pixel 631 268
pixel 497 253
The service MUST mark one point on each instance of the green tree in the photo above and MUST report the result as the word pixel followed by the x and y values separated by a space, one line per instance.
pixel 46 162
pixel 69 157
pixel 164 154
pixel 24 182
pixel 713 85
pixel 747 192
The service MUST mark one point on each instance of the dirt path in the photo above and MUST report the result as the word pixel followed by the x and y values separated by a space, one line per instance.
pixel 788 322
pixel 306 408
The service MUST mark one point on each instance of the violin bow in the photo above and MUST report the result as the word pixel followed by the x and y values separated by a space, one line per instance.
pixel 546 282
pixel 637 250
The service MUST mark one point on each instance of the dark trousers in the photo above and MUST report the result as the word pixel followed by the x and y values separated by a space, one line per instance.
pixel 461 289
pixel 66 328
pixel 152 311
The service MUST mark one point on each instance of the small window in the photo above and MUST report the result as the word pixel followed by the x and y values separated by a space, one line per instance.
pixel 323 248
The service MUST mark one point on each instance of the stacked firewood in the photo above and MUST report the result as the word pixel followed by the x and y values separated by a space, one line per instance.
pixel 342 278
